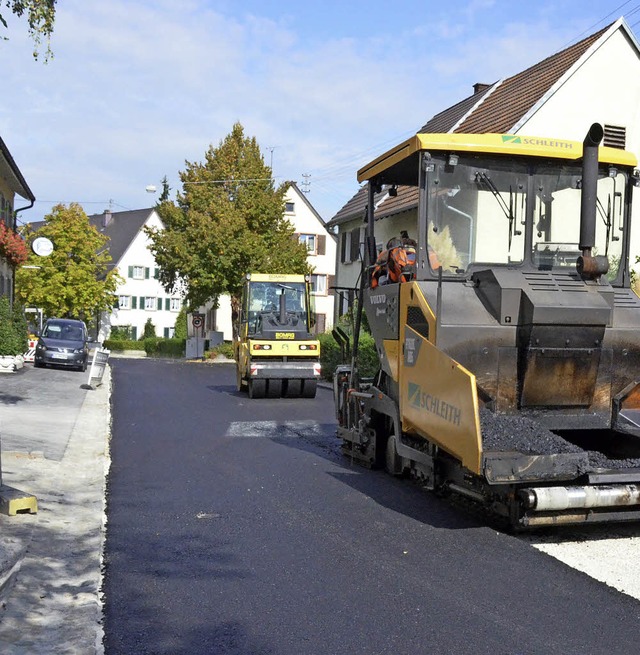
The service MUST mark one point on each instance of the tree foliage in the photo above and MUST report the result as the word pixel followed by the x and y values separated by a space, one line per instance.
pixel 227 221
pixel 75 279
pixel 40 16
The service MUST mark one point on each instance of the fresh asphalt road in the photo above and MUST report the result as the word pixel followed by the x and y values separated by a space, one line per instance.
pixel 236 527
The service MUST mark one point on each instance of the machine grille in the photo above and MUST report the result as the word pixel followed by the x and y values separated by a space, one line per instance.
pixel 417 320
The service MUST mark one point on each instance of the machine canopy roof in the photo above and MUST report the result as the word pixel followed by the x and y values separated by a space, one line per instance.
pixel 400 164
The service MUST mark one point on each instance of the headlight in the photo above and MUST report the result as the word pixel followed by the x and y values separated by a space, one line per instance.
pixel 41 346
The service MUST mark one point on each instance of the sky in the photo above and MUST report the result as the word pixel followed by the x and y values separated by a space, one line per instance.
pixel 136 88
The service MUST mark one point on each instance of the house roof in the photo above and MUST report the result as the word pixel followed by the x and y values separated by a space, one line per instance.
pixel 304 199
pixel 493 108
pixel 121 228
pixel 11 173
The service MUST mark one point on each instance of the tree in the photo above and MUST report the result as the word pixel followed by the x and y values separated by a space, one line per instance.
pixel 227 221
pixel 75 279
pixel 40 16
pixel 166 189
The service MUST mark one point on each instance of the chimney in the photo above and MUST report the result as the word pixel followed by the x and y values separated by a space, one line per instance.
pixel 107 217
pixel 480 86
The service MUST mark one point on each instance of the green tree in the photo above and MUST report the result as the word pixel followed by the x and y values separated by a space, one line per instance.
pixel 166 189
pixel 75 280
pixel 149 330
pixel 40 15
pixel 227 221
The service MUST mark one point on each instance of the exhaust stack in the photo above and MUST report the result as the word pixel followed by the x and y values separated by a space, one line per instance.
pixel 589 266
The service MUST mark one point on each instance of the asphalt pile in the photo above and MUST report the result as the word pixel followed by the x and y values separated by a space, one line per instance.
pixel 526 436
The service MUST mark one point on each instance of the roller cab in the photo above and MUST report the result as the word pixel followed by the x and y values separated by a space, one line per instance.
pixel 275 352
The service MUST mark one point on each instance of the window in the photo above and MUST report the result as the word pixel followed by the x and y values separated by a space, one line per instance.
pixel 136 272
pixel 289 207
pixel 310 241
pixel 124 302
pixel 149 303
pixel 319 285
pixel 176 304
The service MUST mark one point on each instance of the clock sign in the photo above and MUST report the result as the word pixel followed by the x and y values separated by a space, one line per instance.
pixel 42 246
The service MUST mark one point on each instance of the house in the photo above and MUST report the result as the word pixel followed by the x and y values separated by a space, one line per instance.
pixel 141 296
pixel 12 184
pixel 321 244
pixel 594 80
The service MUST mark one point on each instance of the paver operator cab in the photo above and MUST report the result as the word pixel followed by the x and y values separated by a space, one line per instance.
pixel 510 353
pixel 276 354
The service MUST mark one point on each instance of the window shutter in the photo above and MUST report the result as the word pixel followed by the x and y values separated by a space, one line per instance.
pixel 156 273
pixel 343 246
pixel 166 333
pixel 130 271
pixel 167 304
pixel 134 302
pixel 355 244
pixel 322 244
pixel 134 333
pixel 146 273
pixel 159 304
pixel 331 283
pixel 142 302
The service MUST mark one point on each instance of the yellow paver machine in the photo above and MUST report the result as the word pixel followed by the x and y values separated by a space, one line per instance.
pixel 510 351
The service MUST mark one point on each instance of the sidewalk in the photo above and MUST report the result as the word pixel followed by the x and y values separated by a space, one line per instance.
pixel 50 562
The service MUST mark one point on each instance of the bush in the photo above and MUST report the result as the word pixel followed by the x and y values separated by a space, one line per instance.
pixel 331 357
pixel 120 332
pixel 149 331
pixel 118 345
pixel 13 329
pixel 225 348
pixel 166 347
pixel 180 328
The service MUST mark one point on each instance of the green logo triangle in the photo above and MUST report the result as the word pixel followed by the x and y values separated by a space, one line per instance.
pixel 414 394
pixel 509 138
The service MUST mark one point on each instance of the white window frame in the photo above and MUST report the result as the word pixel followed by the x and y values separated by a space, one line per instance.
pixel 124 302
pixel 319 284
pixel 176 304
pixel 290 207
pixel 137 272
pixel 150 303
pixel 311 241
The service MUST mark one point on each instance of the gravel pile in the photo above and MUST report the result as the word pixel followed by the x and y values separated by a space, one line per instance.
pixel 500 432
pixel 519 433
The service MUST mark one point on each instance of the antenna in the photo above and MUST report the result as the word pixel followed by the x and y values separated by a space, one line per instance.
pixel 271 149
pixel 306 185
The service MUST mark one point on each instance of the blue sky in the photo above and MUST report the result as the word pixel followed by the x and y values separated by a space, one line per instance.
pixel 136 87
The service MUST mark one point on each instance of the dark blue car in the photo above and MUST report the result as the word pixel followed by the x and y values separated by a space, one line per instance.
pixel 63 342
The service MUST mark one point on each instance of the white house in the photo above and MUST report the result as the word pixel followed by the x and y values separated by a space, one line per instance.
pixel 311 230
pixel 12 184
pixel 141 296
pixel 594 80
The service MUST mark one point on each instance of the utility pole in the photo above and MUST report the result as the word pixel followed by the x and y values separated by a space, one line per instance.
pixel 306 185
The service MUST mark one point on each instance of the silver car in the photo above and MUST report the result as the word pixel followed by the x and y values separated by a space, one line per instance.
pixel 63 342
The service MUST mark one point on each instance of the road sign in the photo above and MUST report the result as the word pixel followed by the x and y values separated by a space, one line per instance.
pixel 197 320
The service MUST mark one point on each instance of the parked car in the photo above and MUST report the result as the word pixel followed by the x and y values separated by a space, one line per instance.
pixel 63 342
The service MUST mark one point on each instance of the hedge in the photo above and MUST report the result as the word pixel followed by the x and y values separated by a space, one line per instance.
pixel 331 357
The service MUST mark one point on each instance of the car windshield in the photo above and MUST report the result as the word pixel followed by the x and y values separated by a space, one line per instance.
pixel 63 331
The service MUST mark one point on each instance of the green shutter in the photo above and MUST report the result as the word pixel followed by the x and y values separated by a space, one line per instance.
pixel 130 271
pixel 141 302
pixel 167 304
pixel 159 304
pixel 166 333
pixel 146 273
pixel 156 273
pixel 134 333
pixel 134 302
